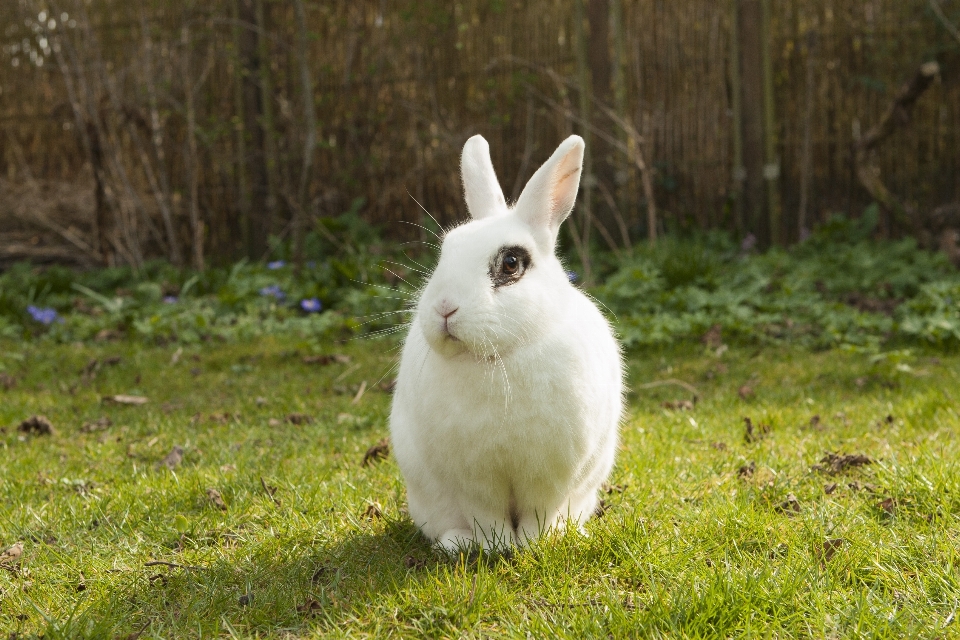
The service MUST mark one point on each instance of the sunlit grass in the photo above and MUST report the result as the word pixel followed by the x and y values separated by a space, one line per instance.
pixel 704 533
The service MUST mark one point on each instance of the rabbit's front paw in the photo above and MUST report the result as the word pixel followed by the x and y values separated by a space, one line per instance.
pixel 456 540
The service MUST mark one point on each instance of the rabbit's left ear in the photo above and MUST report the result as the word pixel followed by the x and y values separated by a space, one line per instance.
pixel 480 186
pixel 550 194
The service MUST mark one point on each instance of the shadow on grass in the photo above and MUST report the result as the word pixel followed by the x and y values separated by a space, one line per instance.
pixel 287 586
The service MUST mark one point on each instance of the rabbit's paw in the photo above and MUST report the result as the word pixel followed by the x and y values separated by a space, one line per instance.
pixel 456 540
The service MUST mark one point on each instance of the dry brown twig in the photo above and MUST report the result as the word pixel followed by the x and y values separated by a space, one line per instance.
pixel 631 149
pixel 897 114
pixel 949 26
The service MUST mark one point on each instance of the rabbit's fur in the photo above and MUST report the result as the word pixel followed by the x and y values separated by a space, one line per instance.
pixel 505 414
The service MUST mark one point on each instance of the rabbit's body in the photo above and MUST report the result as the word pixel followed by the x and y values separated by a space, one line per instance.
pixel 505 413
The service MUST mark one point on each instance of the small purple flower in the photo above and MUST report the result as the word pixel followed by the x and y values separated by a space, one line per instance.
pixel 311 305
pixel 44 316
pixel 276 264
pixel 572 276
pixel 170 300
pixel 273 291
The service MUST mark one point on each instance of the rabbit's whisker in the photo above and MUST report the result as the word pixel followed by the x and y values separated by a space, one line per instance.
pixel 381 286
pixel 595 299
pixel 426 212
pixel 425 268
pixel 399 277
pixel 375 316
pixel 429 244
pixel 406 266
pixel 422 227
pixel 394 367
pixel 383 332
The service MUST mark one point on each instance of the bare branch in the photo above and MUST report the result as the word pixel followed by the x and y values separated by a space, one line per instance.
pixel 949 26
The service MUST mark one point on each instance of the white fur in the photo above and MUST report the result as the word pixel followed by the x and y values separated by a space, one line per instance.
pixel 509 414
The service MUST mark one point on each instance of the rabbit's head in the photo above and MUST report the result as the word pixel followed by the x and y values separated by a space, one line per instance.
pixel 498 284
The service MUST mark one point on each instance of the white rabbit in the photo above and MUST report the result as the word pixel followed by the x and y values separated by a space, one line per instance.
pixel 509 395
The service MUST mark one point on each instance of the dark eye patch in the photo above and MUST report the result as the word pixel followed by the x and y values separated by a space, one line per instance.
pixel 509 265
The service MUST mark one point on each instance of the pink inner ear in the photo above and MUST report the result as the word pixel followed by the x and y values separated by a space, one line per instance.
pixel 560 197
pixel 565 182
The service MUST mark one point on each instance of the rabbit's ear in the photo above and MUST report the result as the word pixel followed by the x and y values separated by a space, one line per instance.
pixel 550 194
pixel 480 186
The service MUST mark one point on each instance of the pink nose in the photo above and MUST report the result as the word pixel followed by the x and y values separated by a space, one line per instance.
pixel 446 309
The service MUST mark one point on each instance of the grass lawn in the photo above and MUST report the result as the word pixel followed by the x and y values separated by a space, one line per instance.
pixel 706 532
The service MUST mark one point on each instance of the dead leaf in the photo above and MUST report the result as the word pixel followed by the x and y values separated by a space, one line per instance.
pixel 12 555
pixel 90 370
pixel 105 335
pixel 678 405
pixel 125 399
pixel 174 458
pixel 713 338
pixel 96 425
pixel 273 422
pixel 270 490
pixel 175 358
pixel 830 548
pixel 412 562
pixel 747 470
pixel 216 499
pixel 815 423
pixel 790 506
pixel 373 512
pixel 37 426
pixel 388 386
pixel 745 392
pixel 376 453
pixel 719 446
pixel 245 599
pixel 322 572
pixel 227 468
pixel 830 488
pixel 326 359
pixel 888 506
pixel 754 434
pixel 833 463
pixel 310 608
pixel 611 489
pixel 299 419
pixel 360 392
pixel 602 507
pixel 7 381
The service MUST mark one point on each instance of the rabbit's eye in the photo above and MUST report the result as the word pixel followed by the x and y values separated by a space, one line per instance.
pixel 509 265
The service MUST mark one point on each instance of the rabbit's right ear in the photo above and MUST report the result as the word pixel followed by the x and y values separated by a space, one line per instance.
pixel 480 187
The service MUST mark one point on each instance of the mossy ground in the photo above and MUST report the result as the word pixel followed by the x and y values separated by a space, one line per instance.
pixel 705 534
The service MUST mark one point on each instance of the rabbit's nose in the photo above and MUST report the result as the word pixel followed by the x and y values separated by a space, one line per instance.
pixel 446 309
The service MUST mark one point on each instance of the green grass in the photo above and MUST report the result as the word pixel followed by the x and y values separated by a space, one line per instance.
pixel 689 546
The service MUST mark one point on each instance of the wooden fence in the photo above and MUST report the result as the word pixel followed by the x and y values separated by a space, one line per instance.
pixel 157 89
